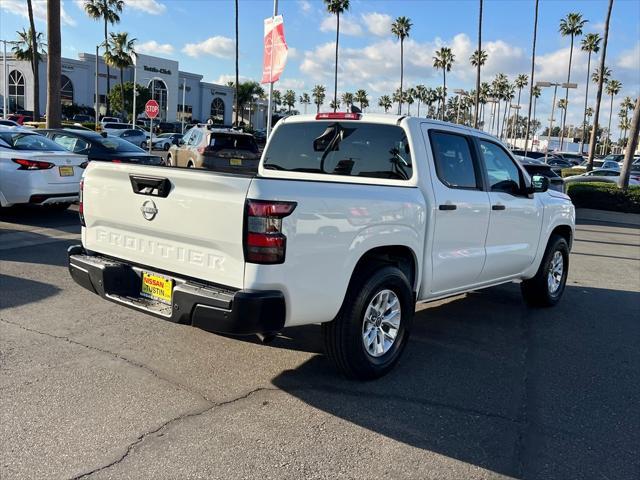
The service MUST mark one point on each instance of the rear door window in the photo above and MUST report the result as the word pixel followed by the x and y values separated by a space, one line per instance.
pixel 356 149
pixel 453 159
pixel 71 143
pixel 225 141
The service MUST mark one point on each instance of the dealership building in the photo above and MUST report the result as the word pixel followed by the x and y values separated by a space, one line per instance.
pixel 202 100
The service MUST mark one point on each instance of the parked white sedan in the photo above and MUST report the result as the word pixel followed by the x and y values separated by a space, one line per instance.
pixel 36 170
pixel 606 175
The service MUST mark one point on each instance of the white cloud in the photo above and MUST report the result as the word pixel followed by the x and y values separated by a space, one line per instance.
pixel 630 59
pixel 292 52
pixel 226 78
pixel 347 25
pixel 19 7
pixel 151 7
pixel 305 6
pixel 378 24
pixel 218 46
pixel 154 48
pixel 291 83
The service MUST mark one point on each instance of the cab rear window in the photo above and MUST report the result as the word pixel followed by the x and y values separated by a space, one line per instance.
pixel 356 149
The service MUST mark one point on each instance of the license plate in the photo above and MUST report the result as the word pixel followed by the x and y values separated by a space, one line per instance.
pixel 66 171
pixel 235 161
pixel 156 287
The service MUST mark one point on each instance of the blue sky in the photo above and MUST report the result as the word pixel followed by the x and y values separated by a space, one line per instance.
pixel 199 34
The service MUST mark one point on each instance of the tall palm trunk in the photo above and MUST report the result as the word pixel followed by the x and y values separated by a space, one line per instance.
pixel 237 67
pixel 475 115
pixel 401 74
pixel 444 90
pixel 586 98
pixel 566 97
pixel 631 147
pixel 124 110
pixel 498 120
pixel 335 76
pixel 514 130
pixel 535 102
pixel 35 64
pixel 108 106
pixel 596 111
pixel 54 66
pixel 609 126
pixel 532 84
pixel 418 107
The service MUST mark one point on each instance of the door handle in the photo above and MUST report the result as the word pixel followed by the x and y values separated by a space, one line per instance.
pixel 498 207
pixel 153 186
pixel 447 206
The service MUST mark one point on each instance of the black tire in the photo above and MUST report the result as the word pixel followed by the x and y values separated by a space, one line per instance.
pixel 536 291
pixel 343 337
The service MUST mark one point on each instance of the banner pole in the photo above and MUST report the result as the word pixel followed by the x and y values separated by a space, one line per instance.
pixel 269 103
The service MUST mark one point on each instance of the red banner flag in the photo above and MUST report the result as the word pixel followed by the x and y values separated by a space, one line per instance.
pixel 275 49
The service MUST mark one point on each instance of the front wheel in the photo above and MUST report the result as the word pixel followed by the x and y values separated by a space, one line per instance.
pixel 547 287
pixel 368 336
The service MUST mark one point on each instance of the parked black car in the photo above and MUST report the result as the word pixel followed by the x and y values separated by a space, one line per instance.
pixel 537 167
pixel 101 147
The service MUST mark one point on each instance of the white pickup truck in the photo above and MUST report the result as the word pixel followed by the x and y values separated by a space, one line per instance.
pixel 350 220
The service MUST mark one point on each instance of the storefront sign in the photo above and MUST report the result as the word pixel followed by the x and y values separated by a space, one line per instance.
pixel 164 71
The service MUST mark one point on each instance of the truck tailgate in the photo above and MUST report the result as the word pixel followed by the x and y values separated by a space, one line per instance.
pixel 179 221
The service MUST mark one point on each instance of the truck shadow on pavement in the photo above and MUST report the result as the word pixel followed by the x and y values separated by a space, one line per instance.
pixel 15 291
pixel 548 393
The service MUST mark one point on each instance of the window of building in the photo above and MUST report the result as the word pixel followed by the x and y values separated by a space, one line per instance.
pixel 217 110
pixel 16 91
pixel 159 94
pixel 66 91
pixel 187 109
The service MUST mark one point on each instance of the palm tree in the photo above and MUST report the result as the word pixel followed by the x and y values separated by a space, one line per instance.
pixel 35 63
pixel 590 44
pixel 533 71
pixel 419 94
pixel 535 93
pixel 336 7
pixel 613 88
pixel 385 102
pixel 596 114
pixel 634 132
pixel 289 99
pixel 305 100
pixel 478 65
pixel 347 99
pixel 606 75
pixel 120 51
pixel 54 65
pixel 318 93
pixel 521 81
pixel 498 88
pixel 508 93
pixel 400 28
pixel 109 11
pixel 276 99
pixel 570 26
pixel 444 59
pixel 361 98
pixel 626 105
pixel 398 97
pixel 625 123
pixel 485 90
pixel 23 50
pixel 409 98
pixel 334 105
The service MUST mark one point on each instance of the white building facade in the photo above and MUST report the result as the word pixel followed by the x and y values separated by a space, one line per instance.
pixel 202 100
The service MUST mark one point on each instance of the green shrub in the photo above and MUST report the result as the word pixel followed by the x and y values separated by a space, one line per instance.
pixel 567 172
pixel 605 196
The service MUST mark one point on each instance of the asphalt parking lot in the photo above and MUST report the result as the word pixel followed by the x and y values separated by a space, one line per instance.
pixel 487 388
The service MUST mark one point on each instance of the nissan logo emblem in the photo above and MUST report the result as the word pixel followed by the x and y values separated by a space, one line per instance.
pixel 149 210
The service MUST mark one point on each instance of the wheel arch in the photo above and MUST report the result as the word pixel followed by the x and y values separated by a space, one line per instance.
pixel 401 256
pixel 565 231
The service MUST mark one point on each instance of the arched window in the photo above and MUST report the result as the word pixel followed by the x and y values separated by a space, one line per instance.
pixel 16 91
pixel 217 110
pixel 66 91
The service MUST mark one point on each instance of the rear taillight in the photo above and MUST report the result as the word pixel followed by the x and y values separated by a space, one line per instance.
pixel 338 116
pixel 32 164
pixel 264 241
pixel 116 160
pixel 81 204
pixel 201 150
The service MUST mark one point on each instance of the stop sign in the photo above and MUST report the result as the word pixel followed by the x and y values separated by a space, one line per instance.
pixel 151 108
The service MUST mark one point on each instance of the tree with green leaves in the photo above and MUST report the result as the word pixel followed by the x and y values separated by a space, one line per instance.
pixel 116 98
pixel 334 105
pixel 443 60
pixel 409 98
pixel 401 28
pixel 535 94
pixel 419 95
pixel 385 102
pixel 590 44
pixel 305 100
pixel 632 145
pixel 319 94
pixel 120 53
pixel 613 88
pixel 602 68
pixel 362 98
pixel 606 75
pixel 347 99
pixel 276 100
pixel 336 7
pixel 289 100
pixel 626 105
pixel 521 81
pixel 109 12
pixel 570 26
pixel 23 50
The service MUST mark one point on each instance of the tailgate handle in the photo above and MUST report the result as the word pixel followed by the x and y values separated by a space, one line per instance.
pixel 153 186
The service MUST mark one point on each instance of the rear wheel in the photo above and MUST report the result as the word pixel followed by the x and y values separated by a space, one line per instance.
pixel 547 287
pixel 372 328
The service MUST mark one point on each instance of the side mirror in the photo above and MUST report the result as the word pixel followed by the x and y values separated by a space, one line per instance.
pixel 539 184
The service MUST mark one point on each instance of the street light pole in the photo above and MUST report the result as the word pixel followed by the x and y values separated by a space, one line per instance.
pixel 135 94
pixel 97 99
pixel 5 80
pixel 553 109
pixel 184 90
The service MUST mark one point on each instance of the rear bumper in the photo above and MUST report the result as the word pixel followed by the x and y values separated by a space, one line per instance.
pixel 210 308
